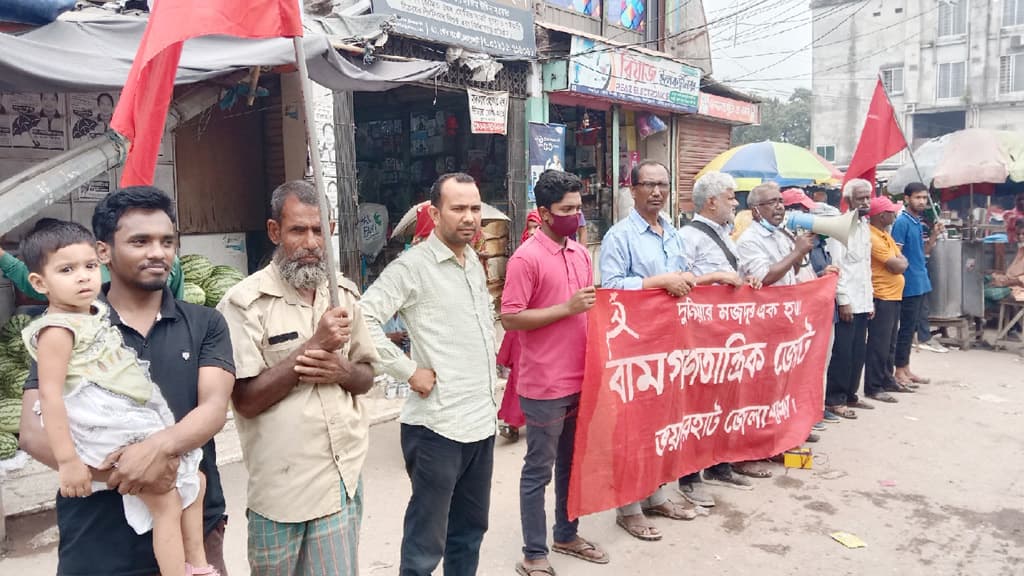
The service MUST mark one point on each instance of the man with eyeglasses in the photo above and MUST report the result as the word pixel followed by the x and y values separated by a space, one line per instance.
pixel 765 250
pixel 645 251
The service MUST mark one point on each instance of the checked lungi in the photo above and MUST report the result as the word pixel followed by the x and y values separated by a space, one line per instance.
pixel 324 546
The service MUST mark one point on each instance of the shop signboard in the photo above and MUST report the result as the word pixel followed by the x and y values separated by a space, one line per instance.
pixel 547 151
pixel 624 75
pixel 729 109
pixel 479 25
pixel 488 111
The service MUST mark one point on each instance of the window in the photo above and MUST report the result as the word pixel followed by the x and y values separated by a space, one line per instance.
pixel 826 152
pixel 952 17
pixel 892 79
pixel 951 81
pixel 1011 73
pixel 1013 13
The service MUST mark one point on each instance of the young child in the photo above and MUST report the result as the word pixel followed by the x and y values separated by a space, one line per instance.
pixel 96 395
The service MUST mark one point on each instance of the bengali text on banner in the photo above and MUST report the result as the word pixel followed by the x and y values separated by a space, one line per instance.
pixel 674 385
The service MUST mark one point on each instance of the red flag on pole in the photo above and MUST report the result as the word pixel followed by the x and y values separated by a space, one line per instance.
pixel 142 110
pixel 880 138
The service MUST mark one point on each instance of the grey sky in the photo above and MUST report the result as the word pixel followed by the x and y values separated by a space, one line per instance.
pixel 764 40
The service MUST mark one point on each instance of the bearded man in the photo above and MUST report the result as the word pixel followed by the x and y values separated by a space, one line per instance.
pixel 300 366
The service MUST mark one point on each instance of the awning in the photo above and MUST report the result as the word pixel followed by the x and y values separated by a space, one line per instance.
pixel 96 55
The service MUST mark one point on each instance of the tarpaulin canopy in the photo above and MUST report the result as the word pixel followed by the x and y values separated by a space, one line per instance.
pixel 82 55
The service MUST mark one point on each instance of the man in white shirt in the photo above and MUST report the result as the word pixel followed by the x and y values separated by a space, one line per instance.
pixel 855 298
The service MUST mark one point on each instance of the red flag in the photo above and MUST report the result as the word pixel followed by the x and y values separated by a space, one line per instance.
pixel 142 110
pixel 880 138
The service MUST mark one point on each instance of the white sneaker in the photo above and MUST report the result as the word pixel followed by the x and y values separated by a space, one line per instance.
pixel 933 346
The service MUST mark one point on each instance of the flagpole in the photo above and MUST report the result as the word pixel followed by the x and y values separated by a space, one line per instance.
pixel 306 92
pixel 896 119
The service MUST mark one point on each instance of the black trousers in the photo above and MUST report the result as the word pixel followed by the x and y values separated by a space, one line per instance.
pixel 848 353
pixel 451 496
pixel 550 439
pixel 881 349
pixel 910 319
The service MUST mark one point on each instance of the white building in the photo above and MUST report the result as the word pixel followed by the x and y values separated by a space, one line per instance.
pixel 946 64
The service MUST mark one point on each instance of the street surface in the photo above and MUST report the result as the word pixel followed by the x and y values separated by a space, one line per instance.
pixel 934 485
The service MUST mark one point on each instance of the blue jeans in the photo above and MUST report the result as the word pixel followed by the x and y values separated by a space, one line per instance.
pixel 550 437
pixel 450 503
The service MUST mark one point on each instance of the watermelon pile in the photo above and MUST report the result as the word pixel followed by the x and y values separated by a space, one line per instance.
pixel 205 283
pixel 14 362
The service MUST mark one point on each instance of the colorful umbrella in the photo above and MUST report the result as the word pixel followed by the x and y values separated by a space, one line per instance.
pixel 785 164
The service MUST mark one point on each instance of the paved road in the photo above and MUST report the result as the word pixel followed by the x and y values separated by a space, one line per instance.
pixel 934 485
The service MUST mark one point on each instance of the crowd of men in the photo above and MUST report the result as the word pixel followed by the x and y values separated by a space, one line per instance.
pixel 299 365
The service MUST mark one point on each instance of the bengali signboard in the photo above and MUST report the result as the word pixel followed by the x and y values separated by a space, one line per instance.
pixel 620 74
pixel 729 109
pixel 488 111
pixel 674 385
pixel 478 25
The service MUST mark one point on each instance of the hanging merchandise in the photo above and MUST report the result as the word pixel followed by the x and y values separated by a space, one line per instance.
pixel 648 124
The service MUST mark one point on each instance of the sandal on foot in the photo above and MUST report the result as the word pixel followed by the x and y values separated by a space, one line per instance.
pixel 883 397
pixel 861 405
pixel 645 533
pixel 675 511
pixel 842 412
pixel 751 469
pixel 580 548
pixel 522 570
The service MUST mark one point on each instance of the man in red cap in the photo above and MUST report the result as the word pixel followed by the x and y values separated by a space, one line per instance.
pixel 887 266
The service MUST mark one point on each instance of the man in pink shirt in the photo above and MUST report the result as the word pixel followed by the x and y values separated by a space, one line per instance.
pixel 548 289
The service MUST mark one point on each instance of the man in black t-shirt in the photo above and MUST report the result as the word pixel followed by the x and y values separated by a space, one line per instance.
pixel 188 348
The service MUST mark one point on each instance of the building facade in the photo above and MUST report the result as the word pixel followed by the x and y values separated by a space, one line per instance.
pixel 946 65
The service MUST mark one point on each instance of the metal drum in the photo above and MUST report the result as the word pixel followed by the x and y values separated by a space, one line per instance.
pixel 945 268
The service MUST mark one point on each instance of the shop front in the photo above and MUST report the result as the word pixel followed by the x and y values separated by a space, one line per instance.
pixel 618 106
pixel 468 119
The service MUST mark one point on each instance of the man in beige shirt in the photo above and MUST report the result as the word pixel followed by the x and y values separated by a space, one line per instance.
pixel 439 289
pixel 301 366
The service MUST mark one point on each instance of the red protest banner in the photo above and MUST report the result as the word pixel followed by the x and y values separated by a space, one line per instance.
pixel 673 385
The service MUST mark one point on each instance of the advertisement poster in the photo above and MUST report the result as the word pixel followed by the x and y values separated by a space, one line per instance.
pixel 34 120
pixel 601 70
pixel 488 111
pixel 97 188
pixel 90 115
pixel 547 150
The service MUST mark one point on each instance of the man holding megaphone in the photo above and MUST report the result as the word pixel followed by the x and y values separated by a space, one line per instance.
pixel 765 250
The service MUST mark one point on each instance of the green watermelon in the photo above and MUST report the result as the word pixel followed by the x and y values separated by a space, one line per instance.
pixel 193 294
pixel 217 286
pixel 226 272
pixel 12 383
pixel 196 268
pixel 11 340
pixel 10 415
pixel 14 326
pixel 8 445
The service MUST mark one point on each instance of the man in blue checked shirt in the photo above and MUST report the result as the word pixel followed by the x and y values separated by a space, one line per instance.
pixel 645 251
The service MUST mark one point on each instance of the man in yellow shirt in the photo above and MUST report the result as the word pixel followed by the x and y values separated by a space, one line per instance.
pixel 887 266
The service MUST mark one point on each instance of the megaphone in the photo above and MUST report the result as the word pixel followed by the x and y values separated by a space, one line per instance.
pixel 838 227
